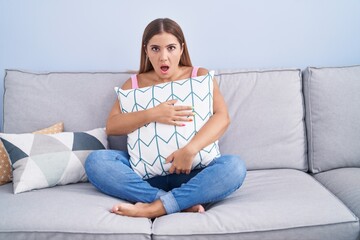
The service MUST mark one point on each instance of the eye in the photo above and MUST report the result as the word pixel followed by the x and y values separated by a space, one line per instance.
pixel 155 49
pixel 171 48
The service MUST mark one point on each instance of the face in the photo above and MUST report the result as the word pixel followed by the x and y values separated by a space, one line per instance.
pixel 164 52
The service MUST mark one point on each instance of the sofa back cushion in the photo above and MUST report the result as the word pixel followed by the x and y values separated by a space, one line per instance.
pixel 332 98
pixel 82 101
pixel 267 118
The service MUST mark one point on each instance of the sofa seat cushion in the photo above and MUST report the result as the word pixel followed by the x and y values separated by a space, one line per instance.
pixel 271 204
pixel 76 211
pixel 344 183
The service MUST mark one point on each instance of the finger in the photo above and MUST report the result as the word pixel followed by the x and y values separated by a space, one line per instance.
pixel 172 101
pixel 183 119
pixel 178 171
pixel 169 159
pixel 185 113
pixel 188 171
pixel 177 124
pixel 182 108
pixel 172 169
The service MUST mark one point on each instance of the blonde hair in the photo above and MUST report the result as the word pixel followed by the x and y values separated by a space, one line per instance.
pixel 158 26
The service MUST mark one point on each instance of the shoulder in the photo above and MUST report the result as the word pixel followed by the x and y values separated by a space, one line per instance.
pixel 202 71
pixel 146 75
pixel 127 85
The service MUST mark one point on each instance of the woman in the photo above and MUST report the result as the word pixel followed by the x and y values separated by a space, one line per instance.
pixel 165 58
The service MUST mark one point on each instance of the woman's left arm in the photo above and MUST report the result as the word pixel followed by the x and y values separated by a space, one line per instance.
pixel 214 128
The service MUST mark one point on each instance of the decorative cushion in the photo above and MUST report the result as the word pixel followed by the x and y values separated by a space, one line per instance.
pixel 46 160
pixel 5 167
pixel 56 128
pixel 150 145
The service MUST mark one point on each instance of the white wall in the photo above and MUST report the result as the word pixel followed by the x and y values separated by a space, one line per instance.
pixel 105 35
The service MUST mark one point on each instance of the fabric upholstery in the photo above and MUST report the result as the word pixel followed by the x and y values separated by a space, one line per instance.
pixel 344 183
pixel 83 101
pixel 267 118
pixel 271 204
pixel 5 166
pixel 70 212
pixel 332 117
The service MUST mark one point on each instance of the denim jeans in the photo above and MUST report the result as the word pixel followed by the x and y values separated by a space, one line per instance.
pixel 110 172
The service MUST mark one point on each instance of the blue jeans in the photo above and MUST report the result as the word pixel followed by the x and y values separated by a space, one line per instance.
pixel 111 173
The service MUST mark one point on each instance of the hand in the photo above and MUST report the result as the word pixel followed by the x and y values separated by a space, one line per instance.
pixel 168 113
pixel 181 160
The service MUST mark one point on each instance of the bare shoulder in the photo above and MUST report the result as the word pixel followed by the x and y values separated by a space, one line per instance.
pixel 202 71
pixel 127 85
pixel 146 75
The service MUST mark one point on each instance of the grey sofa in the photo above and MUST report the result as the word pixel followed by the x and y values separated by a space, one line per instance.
pixel 298 133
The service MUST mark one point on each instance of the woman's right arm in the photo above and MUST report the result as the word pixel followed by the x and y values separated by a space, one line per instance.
pixel 119 123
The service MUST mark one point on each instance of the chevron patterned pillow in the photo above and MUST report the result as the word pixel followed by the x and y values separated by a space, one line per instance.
pixel 151 144
pixel 46 160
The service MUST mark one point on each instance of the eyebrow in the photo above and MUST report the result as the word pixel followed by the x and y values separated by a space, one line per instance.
pixel 171 44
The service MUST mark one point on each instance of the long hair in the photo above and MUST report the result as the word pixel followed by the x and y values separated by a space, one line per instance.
pixel 158 26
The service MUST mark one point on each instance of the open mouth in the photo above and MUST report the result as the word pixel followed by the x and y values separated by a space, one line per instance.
pixel 164 69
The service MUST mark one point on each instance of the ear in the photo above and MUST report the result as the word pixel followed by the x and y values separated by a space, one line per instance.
pixel 145 49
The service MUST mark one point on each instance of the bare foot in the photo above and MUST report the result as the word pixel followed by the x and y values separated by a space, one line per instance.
pixel 149 210
pixel 197 208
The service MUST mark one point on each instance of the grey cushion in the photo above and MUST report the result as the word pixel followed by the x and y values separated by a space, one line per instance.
pixel 267 118
pixel 81 100
pixel 272 204
pixel 332 116
pixel 344 183
pixel 76 211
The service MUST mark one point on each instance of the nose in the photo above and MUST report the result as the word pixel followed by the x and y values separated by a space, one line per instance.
pixel 163 56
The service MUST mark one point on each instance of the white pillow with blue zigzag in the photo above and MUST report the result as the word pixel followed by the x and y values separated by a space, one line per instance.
pixel 150 145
